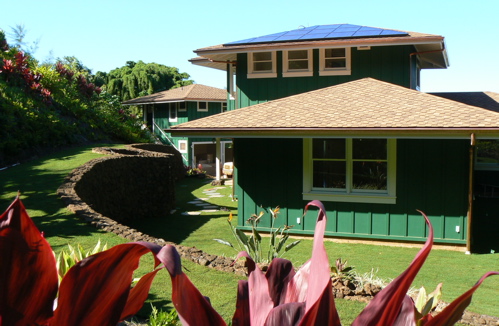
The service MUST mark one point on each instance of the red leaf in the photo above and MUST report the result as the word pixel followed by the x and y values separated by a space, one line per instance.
pixel 192 307
pixel 453 312
pixel 95 290
pixel 27 270
pixel 242 314
pixel 138 294
pixel 384 309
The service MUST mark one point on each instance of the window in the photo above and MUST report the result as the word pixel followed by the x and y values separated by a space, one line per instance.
pixel 182 146
pixel 350 170
pixel 335 61
pixel 203 106
pixel 224 106
pixel 487 154
pixel 172 112
pixel 297 63
pixel 261 65
pixel 182 106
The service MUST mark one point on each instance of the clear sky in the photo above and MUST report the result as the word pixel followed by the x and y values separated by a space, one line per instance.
pixel 105 34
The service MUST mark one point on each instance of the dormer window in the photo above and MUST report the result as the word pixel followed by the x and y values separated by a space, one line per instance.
pixel 261 65
pixel 335 61
pixel 297 63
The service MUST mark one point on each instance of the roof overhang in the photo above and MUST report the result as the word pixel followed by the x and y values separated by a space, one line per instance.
pixel 399 133
pixel 431 49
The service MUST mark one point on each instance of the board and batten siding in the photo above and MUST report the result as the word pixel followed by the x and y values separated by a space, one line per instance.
pixel 431 177
pixel 387 63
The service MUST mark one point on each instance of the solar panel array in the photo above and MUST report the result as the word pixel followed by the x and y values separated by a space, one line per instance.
pixel 321 32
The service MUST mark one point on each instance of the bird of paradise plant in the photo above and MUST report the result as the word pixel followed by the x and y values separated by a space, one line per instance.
pixel 96 291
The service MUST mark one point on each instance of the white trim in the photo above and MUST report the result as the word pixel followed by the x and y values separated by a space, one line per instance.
pixel 323 71
pixel 261 74
pixel 183 142
pixel 287 72
pixel 387 196
pixel 202 110
pixel 179 108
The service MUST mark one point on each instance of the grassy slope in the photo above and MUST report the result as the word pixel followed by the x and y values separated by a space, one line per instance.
pixel 39 179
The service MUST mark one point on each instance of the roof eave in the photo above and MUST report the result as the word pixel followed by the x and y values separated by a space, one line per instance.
pixel 449 133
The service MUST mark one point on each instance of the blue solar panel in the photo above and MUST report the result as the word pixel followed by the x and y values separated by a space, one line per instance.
pixel 321 32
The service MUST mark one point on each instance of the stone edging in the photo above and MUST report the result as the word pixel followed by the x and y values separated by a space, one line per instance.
pixel 76 205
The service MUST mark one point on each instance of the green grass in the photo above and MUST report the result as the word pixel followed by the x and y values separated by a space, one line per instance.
pixel 39 179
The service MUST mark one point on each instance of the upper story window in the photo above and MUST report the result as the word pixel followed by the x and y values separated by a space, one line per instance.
pixel 335 61
pixel 203 106
pixel 224 106
pixel 182 106
pixel 350 170
pixel 262 65
pixel 172 112
pixel 297 63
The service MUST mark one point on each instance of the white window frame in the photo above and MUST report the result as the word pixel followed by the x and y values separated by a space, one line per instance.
pixel 182 106
pixel 203 110
pixel 261 74
pixel 287 72
pixel 387 196
pixel 182 142
pixel 172 106
pixel 224 105
pixel 323 71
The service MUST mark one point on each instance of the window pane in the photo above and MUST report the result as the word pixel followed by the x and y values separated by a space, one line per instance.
pixel 302 64
pixel 301 54
pixel 262 66
pixel 328 148
pixel 336 63
pixel 372 149
pixel 329 174
pixel 487 151
pixel 369 175
pixel 262 56
pixel 335 53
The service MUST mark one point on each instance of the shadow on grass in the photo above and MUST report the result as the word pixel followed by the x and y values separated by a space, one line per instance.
pixel 178 226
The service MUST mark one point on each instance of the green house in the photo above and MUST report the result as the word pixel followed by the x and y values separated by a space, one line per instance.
pixel 169 108
pixel 334 113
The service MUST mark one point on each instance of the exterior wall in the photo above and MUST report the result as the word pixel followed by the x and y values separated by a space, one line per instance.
pixel 431 176
pixel 392 64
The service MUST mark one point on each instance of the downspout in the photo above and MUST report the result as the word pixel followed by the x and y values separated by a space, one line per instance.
pixel 470 194
pixel 410 61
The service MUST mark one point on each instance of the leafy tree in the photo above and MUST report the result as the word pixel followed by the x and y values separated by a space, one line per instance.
pixel 18 35
pixel 138 79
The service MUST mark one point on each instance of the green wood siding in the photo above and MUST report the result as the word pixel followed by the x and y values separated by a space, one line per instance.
pixel 432 176
pixel 392 64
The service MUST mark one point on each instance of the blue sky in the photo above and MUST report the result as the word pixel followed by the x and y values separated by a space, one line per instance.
pixel 106 34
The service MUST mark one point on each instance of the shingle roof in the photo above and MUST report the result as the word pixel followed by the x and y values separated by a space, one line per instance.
pixel 486 100
pixel 194 92
pixel 362 105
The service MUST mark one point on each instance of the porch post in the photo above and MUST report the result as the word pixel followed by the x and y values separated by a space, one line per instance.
pixel 218 155
pixel 470 194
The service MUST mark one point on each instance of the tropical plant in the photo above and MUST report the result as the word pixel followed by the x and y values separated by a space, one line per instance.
pixel 427 303
pixel 162 318
pixel 67 259
pixel 253 244
pixel 342 271
pixel 95 291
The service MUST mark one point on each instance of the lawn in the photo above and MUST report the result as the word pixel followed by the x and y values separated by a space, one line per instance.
pixel 39 179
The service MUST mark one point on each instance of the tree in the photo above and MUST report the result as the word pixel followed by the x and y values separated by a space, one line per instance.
pixel 138 79
pixel 18 36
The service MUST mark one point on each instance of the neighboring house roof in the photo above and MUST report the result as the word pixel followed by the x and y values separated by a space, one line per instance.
pixel 431 48
pixel 486 100
pixel 361 107
pixel 193 92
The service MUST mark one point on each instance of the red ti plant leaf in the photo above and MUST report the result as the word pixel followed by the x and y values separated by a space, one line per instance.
pixel 192 307
pixel 384 309
pixel 96 291
pixel 27 270
pixel 453 312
